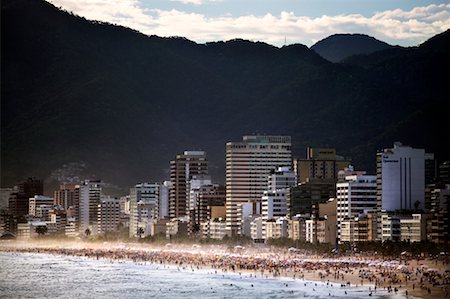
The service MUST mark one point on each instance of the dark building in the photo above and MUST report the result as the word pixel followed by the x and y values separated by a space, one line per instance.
pixel 182 169
pixel 303 197
pixel 444 173
pixel 204 198
pixel 8 223
pixel 31 186
pixel 430 168
pixel 438 230
pixel 19 201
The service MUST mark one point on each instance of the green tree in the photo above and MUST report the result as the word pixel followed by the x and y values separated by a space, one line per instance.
pixel 140 232
pixel 87 232
pixel 41 230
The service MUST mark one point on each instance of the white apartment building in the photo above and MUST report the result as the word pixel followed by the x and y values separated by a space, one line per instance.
pixel 356 195
pixel 414 228
pixel 401 178
pixel 217 229
pixel 256 229
pixel 36 201
pixel 89 198
pixel 162 206
pixel 297 227
pixel 281 178
pixel 274 204
pixel 390 227
pixel 143 201
pixel 276 229
pixel 310 230
pixel 248 164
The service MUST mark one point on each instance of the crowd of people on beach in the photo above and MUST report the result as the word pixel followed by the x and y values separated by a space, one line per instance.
pixel 392 276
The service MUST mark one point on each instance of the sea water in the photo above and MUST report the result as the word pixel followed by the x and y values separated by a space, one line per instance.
pixel 35 275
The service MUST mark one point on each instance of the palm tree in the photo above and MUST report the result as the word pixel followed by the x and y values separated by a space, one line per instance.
pixel 41 230
pixel 87 232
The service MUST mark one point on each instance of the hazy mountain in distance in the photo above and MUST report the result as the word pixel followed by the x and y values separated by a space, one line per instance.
pixel 123 104
pixel 338 47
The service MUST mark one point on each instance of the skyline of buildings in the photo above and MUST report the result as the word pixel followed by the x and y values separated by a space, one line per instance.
pixel 267 195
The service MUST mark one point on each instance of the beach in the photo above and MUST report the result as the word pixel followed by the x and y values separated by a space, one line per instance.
pixel 406 277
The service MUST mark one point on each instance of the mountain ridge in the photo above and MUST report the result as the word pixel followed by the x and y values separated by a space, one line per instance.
pixel 338 47
pixel 125 103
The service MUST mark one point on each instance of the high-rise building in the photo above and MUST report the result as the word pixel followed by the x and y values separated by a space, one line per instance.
pixel 143 200
pixel 400 181
pixel 162 206
pixel 182 170
pixel 108 214
pixel 356 195
pixel 248 164
pixel 320 163
pixel 89 198
pixel 65 196
pixel 401 178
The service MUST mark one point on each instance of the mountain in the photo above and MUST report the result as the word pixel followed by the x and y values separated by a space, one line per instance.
pixel 338 47
pixel 89 99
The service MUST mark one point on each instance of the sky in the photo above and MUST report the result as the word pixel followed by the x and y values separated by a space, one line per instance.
pixel 276 22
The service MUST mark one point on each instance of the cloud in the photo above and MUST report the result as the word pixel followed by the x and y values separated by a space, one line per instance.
pixel 195 2
pixel 403 27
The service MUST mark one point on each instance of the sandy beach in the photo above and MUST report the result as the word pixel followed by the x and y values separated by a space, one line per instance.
pixel 409 277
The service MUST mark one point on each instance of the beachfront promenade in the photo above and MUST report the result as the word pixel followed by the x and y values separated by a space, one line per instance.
pixel 421 278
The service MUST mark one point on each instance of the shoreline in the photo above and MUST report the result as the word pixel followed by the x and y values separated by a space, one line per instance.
pixel 359 272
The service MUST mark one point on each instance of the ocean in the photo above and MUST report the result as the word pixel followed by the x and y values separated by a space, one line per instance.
pixel 35 275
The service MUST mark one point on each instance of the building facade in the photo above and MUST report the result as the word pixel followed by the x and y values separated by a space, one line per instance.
pixel 182 170
pixel 143 201
pixel 90 193
pixel 108 214
pixel 320 163
pixel 248 165
pixel 400 180
pixel 356 195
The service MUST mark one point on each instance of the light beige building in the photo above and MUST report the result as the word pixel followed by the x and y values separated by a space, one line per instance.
pixel 414 228
pixel 276 229
pixel 248 165
pixel 297 227
pixel 177 227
